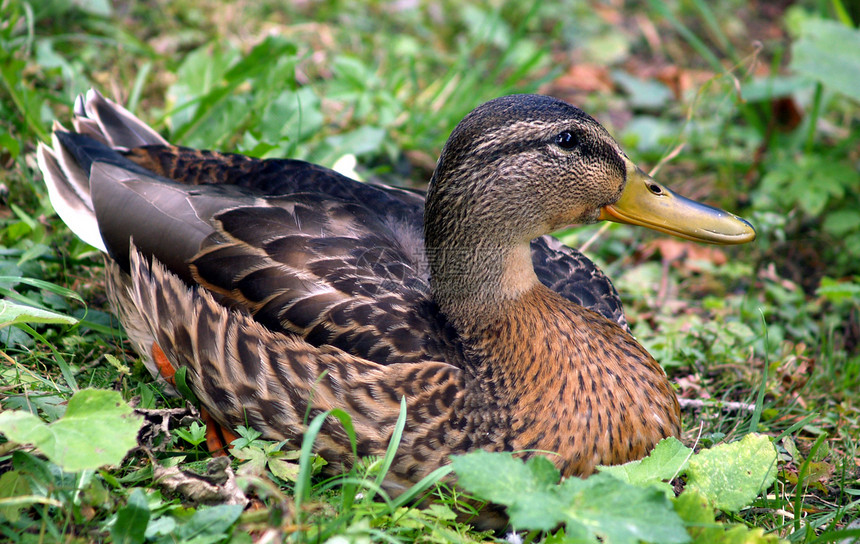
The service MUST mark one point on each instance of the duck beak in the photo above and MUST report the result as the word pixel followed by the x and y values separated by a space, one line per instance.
pixel 646 203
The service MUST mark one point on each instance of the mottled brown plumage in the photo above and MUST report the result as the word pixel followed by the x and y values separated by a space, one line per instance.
pixel 287 289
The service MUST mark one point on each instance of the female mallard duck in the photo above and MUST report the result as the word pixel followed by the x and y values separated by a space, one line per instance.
pixel 287 289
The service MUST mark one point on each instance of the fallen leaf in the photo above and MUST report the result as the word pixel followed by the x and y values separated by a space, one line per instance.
pixel 686 255
pixel 587 78
pixel 217 486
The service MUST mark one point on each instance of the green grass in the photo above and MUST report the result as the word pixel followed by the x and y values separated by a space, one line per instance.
pixel 773 326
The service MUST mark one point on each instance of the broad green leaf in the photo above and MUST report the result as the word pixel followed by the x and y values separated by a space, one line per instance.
pixel 643 93
pixel 698 514
pixel 732 475
pixel 132 520
pixel 828 52
pixel 98 429
pixel 665 461
pixel 195 434
pixel 741 534
pixel 260 58
pixel 837 291
pixel 10 144
pixel 810 182
pixel 13 485
pixel 161 526
pixel 284 469
pixel 761 89
pixel 96 7
pixel 295 114
pixel 841 222
pixel 212 521
pixel 255 460
pixel 366 139
pixel 528 489
pixel 200 73
pixel 499 477
pixel 600 506
pixel 12 313
pixel 620 513
pixel 24 427
pixel 648 133
pixel 51 407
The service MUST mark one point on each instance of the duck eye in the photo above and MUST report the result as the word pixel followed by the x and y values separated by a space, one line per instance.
pixel 566 140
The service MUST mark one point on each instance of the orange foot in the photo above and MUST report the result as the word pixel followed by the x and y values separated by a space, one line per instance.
pixel 217 437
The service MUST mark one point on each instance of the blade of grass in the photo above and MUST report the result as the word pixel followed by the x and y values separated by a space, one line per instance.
pixel 181 380
pixel 31 27
pixel 65 369
pixel 384 537
pixel 137 88
pixel 423 485
pixel 801 476
pixel 23 299
pixel 812 119
pixel 842 13
pixel 99 328
pixel 28 500
pixel 246 68
pixel 45 381
pixel 663 10
pixel 42 284
pixel 303 480
pixel 844 535
pixel 393 444
pixel 714 27
pixel 797 426
pixel 8 76
pixel 759 401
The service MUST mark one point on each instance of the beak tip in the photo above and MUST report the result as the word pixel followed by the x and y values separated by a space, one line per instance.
pixel 750 233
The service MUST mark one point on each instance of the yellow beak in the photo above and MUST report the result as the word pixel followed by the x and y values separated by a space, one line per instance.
pixel 646 203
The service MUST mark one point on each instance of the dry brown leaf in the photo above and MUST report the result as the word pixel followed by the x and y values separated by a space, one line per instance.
pixel 678 79
pixel 589 78
pixel 217 486
pixel 787 114
pixel 685 255
pixel 691 387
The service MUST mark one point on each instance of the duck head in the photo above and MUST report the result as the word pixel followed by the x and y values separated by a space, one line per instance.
pixel 522 166
pixel 531 164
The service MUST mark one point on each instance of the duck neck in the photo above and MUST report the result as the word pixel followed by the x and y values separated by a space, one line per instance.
pixel 471 282
pixel 479 254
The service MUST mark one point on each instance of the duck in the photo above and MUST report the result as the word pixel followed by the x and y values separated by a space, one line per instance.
pixel 286 289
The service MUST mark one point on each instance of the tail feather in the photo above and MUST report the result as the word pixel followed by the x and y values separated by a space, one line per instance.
pixel 77 174
pixel 65 165
pixel 74 208
pixel 118 126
